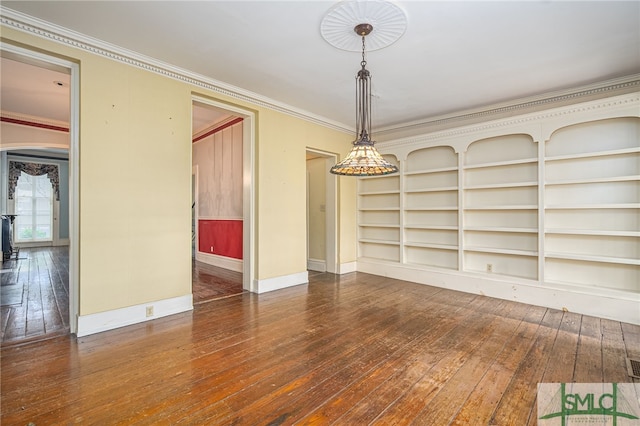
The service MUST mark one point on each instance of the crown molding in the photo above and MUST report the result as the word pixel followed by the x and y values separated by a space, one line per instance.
pixel 622 101
pixel 520 106
pixel 392 133
pixel 49 31
pixel 30 120
pixel 218 127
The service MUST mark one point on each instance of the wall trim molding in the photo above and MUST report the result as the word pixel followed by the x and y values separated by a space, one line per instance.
pixel 346 268
pixel 31 121
pixel 317 265
pixel 217 128
pixel 116 318
pixel 602 303
pixel 630 100
pixel 49 31
pixel 278 283
pixel 546 101
pixel 220 261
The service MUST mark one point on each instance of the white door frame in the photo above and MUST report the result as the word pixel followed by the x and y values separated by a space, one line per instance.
pixel 248 187
pixel 331 211
pixel 74 166
pixel 194 179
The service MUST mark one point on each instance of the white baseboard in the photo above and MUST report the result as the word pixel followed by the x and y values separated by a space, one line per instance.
pixel 345 268
pixel 316 265
pixel 103 321
pixel 220 261
pixel 614 305
pixel 277 283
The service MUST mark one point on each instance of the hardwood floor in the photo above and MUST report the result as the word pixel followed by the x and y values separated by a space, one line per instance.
pixel 350 350
pixel 35 292
pixel 210 282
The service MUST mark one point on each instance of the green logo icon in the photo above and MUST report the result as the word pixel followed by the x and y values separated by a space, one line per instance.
pixel 594 403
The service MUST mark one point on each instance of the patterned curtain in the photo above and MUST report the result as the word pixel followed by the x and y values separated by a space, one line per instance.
pixel 33 169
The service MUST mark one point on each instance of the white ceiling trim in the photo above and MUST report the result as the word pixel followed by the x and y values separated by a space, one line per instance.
pixel 46 30
pixel 627 101
pixel 43 29
pixel 524 105
pixel 33 119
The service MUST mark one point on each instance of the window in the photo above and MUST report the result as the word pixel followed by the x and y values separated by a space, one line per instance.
pixel 34 209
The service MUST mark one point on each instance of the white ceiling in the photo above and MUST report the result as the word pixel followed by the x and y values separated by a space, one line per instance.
pixel 454 55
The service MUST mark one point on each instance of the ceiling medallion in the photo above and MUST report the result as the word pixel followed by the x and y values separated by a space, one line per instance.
pixel 363 159
pixel 388 19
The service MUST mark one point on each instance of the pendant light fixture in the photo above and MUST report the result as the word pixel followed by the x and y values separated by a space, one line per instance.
pixel 364 159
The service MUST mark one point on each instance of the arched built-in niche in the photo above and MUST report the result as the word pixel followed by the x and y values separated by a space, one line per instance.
pixel 500 206
pixel 592 205
pixel 431 208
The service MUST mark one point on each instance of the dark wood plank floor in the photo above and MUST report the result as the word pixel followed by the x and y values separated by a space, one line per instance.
pixel 211 282
pixel 35 292
pixel 350 350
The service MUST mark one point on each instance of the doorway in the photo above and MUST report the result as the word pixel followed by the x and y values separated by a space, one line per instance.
pixel 222 191
pixel 39 83
pixel 322 253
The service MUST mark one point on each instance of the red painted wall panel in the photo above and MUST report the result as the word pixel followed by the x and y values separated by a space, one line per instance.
pixel 225 236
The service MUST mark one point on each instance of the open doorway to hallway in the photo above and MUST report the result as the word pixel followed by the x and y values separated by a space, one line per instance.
pixel 40 102
pixel 217 203
pixel 322 253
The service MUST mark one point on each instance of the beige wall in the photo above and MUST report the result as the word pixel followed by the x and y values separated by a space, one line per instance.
pixel 135 177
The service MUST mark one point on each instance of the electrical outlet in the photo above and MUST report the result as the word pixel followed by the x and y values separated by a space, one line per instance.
pixel 149 311
pixel 489 267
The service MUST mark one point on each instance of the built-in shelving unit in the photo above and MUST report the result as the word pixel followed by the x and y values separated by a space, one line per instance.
pixel 379 217
pixel 431 208
pixel 500 211
pixel 542 208
pixel 592 205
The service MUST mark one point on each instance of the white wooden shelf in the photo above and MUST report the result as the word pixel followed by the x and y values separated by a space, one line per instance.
pixel 379 209
pixel 440 208
pixel 593 206
pixel 514 207
pixel 392 192
pixel 593 154
pixel 592 258
pixel 379 225
pixel 501 229
pixel 435 189
pixel 597 232
pixel 501 163
pixel 502 185
pixel 384 242
pixel 595 180
pixel 430 171
pixel 502 251
pixel 431 245
pixel 432 227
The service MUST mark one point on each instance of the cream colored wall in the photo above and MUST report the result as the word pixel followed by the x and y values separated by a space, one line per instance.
pixel 135 177
pixel 282 193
